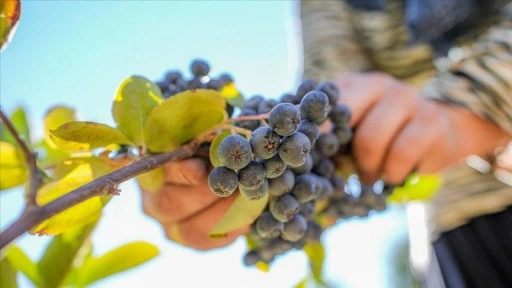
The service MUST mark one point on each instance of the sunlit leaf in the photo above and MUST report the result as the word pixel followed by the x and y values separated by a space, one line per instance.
pixel 54 118
pixel 64 252
pixel 303 283
pixel 86 136
pixel 182 117
pixel 416 188
pixel 214 148
pixel 20 261
pixel 262 266
pixel 83 255
pixel 99 166
pixel 241 213
pixel 9 15
pixel 252 243
pixel 7 275
pixel 115 261
pixel 48 155
pixel 19 121
pixel 151 181
pixel 134 100
pixel 232 95
pixel 316 255
pixel 85 212
pixel 12 167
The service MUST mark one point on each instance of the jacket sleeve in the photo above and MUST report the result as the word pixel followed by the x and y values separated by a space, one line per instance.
pixel 481 80
pixel 330 46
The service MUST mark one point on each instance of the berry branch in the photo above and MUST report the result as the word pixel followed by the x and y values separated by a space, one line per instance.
pixel 105 185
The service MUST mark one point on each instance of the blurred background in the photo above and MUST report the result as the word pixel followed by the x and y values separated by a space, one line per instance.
pixel 76 53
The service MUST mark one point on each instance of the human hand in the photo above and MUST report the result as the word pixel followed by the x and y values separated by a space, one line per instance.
pixel 397 131
pixel 186 208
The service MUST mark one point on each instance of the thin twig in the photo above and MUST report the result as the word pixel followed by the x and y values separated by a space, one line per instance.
pixel 105 185
pixel 250 117
pixel 35 179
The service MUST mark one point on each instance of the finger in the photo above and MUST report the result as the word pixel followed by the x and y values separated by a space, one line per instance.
pixel 193 232
pixel 412 144
pixel 191 171
pixel 360 92
pixel 174 203
pixel 375 133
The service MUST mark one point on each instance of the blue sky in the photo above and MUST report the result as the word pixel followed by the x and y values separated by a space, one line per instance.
pixel 77 52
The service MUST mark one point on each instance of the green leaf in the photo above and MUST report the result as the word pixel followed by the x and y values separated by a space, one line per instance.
pixel 56 117
pixel 182 117
pixel 241 213
pixel 214 148
pixel 49 155
pixel 19 121
pixel 134 100
pixel 7 275
pixel 20 261
pixel 115 261
pixel 416 188
pixel 63 253
pixel 9 16
pixel 303 283
pixel 232 95
pixel 316 254
pixel 98 166
pixel 86 136
pixel 12 167
pixel 151 181
pixel 82 213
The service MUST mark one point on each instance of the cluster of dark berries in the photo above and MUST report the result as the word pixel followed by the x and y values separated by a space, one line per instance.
pixel 291 218
pixel 174 81
pixel 290 158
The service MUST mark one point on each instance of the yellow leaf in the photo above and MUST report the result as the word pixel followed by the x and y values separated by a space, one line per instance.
pixel 75 136
pixel 80 214
pixel 241 213
pixel 7 274
pixel 262 266
pixel 214 148
pixel 55 117
pixel 134 100
pixel 49 156
pixel 316 255
pixel 232 95
pixel 21 262
pixel 229 91
pixel 182 117
pixel 98 166
pixel 416 188
pixel 151 181
pixel 115 261
pixel 13 171
pixel 9 15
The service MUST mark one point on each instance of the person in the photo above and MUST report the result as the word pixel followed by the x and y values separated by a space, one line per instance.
pixel 429 83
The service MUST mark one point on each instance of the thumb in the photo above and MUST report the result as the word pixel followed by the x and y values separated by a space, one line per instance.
pixel 191 172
